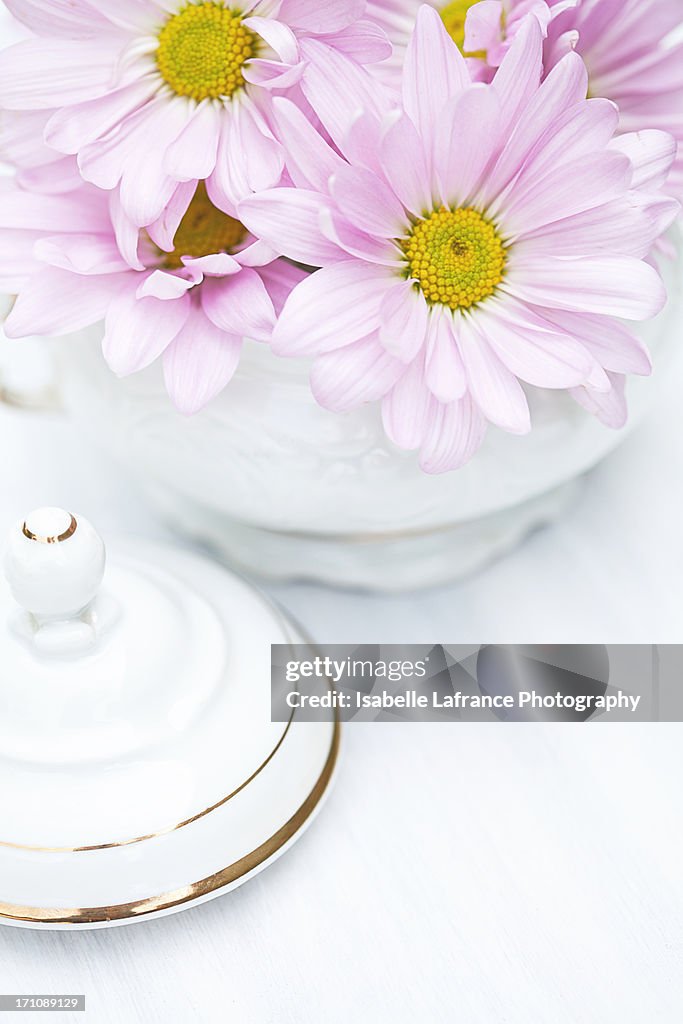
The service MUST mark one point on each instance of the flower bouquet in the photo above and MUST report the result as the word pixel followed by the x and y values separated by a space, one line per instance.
pixel 425 231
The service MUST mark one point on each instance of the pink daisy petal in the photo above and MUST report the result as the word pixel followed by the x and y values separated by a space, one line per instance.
pixel 220 184
pixel 614 346
pixel 434 73
pixel 278 36
pixel 199 363
pixel 71 128
pixel 405 167
pixel 126 234
pixel 288 221
pixel 454 435
pixel 55 301
pixel 543 11
pixel 482 30
pixel 531 349
pixel 262 8
pixel 560 45
pixel 81 254
pixel 85 213
pixel 362 142
pixel 364 42
pixel 483 26
pixel 271 74
pixel 310 161
pixel 348 377
pixel 612 228
pixel 330 75
pixel 134 15
pixel 249 158
pixel 17 259
pixel 610 408
pixel 256 254
pixel 123 157
pixel 21 138
pixel 239 305
pixel 75 20
pixel 577 186
pixel 144 196
pixel 102 163
pixel 598 379
pixel 356 243
pixel 261 153
pixel 322 18
pixel 444 370
pixel 632 60
pixel 162 285
pixel 146 188
pixel 408 409
pixel 281 278
pixel 584 130
pixel 662 212
pixel 55 178
pixel 137 331
pixel 493 387
pixel 520 73
pixel 193 154
pixel 46 73
pixel 318 316
pixel 466 142
pixel 367 202
pixel 219 264
pixel 610 285
pixel 163 230
pixel 404 319
pixel 651 153
pixel 640 21
pixel 559 94
pixel 645 74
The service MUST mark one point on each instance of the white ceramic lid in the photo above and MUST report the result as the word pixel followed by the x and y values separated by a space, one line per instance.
pixel 137 752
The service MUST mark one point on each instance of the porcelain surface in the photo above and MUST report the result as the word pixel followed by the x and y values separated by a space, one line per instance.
pixel 143 771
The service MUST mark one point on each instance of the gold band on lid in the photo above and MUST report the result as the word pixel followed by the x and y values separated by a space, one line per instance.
pixel 69 532
pixel 205 887
pixel 164 831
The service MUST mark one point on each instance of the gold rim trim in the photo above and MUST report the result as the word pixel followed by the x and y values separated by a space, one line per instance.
pixel 164 831
pixel 69 532
pixel 178 897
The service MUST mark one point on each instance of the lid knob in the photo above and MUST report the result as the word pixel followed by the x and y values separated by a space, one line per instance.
pixel 54 565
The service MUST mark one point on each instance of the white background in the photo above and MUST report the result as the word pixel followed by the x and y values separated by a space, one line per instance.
pixel 475 874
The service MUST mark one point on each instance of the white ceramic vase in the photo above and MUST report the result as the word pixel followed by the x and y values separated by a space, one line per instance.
pixel 280 487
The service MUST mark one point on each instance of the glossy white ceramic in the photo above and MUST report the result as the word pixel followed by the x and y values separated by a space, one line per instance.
pixel 140 771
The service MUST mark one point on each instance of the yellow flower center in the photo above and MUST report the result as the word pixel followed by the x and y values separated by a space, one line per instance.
pixel 456 256
pixel 202 51
pixel 203 231
pixel 454 17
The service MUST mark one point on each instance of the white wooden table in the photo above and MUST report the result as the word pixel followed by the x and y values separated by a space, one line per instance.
pixel 478 874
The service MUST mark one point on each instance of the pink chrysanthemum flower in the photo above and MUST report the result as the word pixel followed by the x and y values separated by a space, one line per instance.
pixel 627 48
pixel 483 30
pixel 625 44
pixel 482 237
pixel 149 93
pixel 193 285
